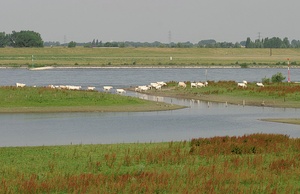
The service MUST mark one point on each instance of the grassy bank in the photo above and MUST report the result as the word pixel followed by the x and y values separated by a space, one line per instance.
pixel 271 95
pixel 258 163
pixel 41 99
pixel 295 121
pixel 285 95
pixel 139 57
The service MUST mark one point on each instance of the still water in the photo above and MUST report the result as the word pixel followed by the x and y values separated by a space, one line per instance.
pixel 200 119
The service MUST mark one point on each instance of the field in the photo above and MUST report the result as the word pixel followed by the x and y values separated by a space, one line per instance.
pixel 43 99
pixel 149 57
pixel 272 95
pixel 257 163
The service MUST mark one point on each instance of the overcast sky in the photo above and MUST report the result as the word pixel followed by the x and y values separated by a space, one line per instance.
pixel 152 20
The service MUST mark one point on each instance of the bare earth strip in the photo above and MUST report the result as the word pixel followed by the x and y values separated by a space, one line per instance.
pixel 155 106
pixel 295 121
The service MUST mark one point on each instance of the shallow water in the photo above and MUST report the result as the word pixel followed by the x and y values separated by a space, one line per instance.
pixel 132 77
pixel 199 120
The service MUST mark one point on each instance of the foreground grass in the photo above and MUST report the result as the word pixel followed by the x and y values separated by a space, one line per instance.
pixel 42 99
pixel 258 163
pixel 137 57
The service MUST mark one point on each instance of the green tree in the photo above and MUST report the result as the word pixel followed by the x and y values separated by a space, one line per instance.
pixel 295 43
pixel 277 78
pixel 237 45
pixel 203 43
pixel 3 39
pixel 25 39
pixel 122 45
pixel 258 43
pixel 286 42
pixel 265 80
pixel 72 44
pixel 274 42
pixel 248 42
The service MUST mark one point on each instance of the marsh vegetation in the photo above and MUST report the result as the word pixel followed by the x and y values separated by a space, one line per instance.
pixel 257 163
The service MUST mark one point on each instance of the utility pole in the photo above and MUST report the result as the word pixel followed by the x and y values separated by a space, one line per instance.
pixel 65 39
pixel 289 73
pixel 170 37
pixel 32 64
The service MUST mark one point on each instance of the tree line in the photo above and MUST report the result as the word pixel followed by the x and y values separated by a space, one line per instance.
pixel 21 39
pixel 33 39
pixel 200 44
pixel 274 42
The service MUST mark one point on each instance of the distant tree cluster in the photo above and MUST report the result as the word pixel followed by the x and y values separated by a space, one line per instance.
pixel 52 43
pixel 21 39
pixel 202 44
pixel 3 39
pixel 274 42
pixel 214 44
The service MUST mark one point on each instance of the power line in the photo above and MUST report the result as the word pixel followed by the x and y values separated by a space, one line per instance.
pixel 65 39
pixel 170 37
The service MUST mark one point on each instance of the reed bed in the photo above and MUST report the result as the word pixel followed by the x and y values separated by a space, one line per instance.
pixel 256 163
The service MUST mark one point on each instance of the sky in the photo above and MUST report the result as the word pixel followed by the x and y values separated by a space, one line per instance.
pixel 152 20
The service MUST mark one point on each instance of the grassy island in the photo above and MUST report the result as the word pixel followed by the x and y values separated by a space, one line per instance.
pixel 257 163
pixel 43 99
pixel 285 95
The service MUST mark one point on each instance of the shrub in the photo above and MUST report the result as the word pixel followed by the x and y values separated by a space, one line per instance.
pixel 265 80
pixel 72 44
pixel 244 65
pixel 277 78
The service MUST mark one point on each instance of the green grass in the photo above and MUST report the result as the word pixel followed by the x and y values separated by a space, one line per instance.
pixel 273 95
pixel 258 163
pixel 136 57
pixel 42 99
